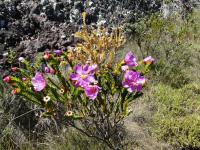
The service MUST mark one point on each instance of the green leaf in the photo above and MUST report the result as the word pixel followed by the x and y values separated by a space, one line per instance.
pixel 124 93
pixel 125 108
pixel 55 94
pixel 30 98
pixel 77 117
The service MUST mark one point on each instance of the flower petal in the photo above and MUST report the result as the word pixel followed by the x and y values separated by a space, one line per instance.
pixel 85 69
pixel 130 59
pixel 74 76
pixel 90 79
pixel 91 91
pixel 149 60
pixel 78 69
pixel 141 80
pixel 124 67
pixel 139 88
pixel 125 84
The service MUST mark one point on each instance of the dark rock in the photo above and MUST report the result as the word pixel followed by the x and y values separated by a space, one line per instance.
pixel 92 15
pixel 79 5
pixel 24 21
pixel 49 11
pixel 59 6
pixel 3 23
pixel 2 37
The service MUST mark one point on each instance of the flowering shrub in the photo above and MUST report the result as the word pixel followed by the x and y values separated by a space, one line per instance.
pixel 85 83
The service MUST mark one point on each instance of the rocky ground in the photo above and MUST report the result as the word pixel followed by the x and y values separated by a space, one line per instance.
pixel 29 26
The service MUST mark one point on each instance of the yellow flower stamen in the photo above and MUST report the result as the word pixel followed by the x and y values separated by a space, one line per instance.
pixel 83 76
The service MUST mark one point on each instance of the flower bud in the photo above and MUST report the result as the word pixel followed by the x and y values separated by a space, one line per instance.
pixel 47 70
pixel 149 60
pixel 21 59
pixel 14 69
pixel 24 79
pixel 15 91
pixel 52 71
pixel 7 79
pixel 58 52
pixel 47 56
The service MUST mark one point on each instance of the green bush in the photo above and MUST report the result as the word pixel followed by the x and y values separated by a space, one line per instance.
pixel 177 118
pixel 171 41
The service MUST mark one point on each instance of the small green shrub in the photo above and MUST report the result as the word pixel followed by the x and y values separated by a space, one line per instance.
pixel 177 118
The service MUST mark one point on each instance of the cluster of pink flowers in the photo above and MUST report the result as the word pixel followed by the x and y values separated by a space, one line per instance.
pixel 130 61
pixel 84 78
pixel 38 81
pixel 84 75
pixel 133 81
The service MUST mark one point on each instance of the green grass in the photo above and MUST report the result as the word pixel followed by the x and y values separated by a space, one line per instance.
pixel 177 118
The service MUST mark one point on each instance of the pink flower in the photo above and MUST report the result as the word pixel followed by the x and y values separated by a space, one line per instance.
pixel 38 82
pixel 149 60
pixel 84 75
pixel 133 81
pixel 91 91
pixel 130 60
